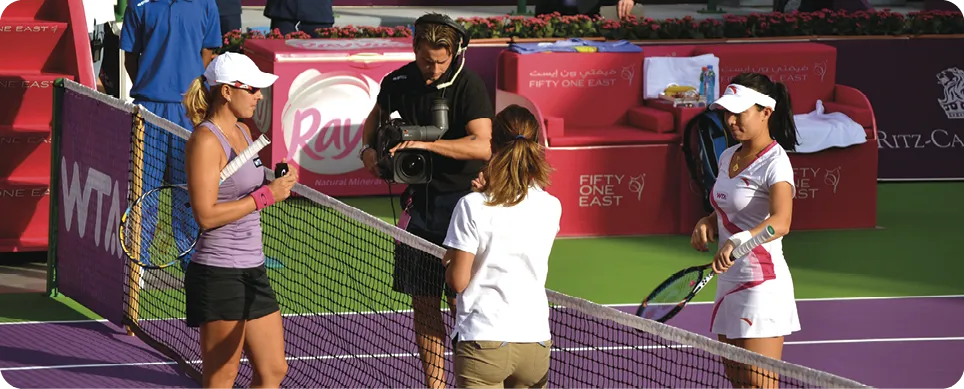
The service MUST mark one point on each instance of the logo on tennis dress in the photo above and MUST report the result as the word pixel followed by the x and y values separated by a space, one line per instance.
pixel 952 79
pixel 257 162
pixel 748 321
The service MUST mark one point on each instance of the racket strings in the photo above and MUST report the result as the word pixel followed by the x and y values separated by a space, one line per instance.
pixel 160 229
pixel 671 294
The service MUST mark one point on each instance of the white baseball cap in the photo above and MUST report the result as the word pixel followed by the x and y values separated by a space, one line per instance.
pixel 738 98
pixel 229 68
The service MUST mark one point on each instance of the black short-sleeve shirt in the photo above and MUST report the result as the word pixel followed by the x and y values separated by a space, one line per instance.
pixel 406 92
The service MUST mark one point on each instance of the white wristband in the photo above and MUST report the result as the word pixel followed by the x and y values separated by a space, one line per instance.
pixel 740 237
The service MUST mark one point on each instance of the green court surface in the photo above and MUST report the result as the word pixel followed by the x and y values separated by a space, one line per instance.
pixel 913 253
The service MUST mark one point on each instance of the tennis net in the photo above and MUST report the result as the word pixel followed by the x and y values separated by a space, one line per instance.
pixel 331 266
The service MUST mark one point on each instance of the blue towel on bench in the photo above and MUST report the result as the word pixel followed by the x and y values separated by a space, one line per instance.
pixel 573 45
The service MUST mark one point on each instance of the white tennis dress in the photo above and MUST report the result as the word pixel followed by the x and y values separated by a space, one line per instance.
pixel 754 297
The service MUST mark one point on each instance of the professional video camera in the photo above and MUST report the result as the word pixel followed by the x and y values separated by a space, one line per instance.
pixel 409 166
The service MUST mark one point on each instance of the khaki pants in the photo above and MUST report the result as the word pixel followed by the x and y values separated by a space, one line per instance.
pixel 494 364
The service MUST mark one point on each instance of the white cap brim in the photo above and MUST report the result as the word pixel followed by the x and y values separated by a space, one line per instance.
pixel 733 103
pixel 738 98
pixel 259 80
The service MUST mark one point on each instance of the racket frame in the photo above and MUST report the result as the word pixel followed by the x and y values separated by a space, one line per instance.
pixel 124 222
pixel 705 279
pixel 738 252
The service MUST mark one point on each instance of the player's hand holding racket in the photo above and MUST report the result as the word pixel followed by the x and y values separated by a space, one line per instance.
pixel 281 186
pixel 723 259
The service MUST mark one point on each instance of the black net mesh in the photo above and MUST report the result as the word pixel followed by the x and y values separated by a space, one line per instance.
pixel 337 270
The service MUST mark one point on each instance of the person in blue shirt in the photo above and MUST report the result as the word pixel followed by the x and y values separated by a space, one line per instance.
pixel 167 44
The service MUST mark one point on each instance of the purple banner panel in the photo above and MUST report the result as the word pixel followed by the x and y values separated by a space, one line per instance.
pixel 95 149
pixel 918 102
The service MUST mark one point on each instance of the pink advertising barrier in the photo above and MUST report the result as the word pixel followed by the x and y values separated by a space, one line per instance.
pixel 314 113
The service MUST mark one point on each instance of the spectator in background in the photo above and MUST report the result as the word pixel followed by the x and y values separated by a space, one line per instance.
pixel 168 44
pixel 300 15
pixel 99 14
pixel 590 8
pixel 230 11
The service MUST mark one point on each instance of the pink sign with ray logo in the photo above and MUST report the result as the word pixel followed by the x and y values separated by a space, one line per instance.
pixel 316 110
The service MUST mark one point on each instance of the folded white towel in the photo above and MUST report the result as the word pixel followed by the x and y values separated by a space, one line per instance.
pixel 818 131
pixel 660 72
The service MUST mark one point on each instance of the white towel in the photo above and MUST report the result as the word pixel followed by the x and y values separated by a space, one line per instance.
pixel 818 131
pixel 660 72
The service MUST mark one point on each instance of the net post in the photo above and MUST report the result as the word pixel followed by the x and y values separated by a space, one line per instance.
pixel 137 171
pixel 53 192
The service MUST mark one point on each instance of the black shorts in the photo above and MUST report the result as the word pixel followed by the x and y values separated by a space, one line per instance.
pixel 418 273
pixel 220 293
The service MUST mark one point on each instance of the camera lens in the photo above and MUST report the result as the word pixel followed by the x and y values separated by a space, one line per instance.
pixel 412 165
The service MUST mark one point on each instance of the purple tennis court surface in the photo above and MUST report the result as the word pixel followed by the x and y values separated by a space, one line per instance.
pixel 886 342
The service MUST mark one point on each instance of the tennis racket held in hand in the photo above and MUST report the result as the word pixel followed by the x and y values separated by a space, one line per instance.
pixel 169 225
pixel 671 295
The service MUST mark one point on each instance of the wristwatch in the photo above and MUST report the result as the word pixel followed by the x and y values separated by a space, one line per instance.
pixel 363 150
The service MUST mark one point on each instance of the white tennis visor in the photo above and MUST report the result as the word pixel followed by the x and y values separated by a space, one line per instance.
pixel 738 98
pixel 230 67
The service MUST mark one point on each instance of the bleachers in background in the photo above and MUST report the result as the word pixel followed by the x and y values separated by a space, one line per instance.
pixel 41 40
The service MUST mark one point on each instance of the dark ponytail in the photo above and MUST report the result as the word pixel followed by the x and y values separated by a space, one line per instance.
pixel 782 127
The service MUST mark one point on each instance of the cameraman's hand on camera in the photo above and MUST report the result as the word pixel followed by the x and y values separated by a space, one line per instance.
pixel 409 144
pixel 281 186
pixel 370 159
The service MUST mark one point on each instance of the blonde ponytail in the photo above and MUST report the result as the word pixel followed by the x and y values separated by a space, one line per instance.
pixel 197 100
pixel 518 160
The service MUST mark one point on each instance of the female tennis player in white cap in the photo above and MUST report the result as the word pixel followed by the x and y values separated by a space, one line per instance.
pixel 755 306
pixel 228 294
pixel 498 241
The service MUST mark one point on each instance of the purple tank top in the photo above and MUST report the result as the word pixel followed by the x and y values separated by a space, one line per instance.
pixel 236 244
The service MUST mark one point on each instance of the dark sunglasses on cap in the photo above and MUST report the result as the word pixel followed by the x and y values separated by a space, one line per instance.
pixel 241 85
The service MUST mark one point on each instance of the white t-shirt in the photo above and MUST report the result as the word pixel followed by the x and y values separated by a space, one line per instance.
pixel 743 202
pixel 505 299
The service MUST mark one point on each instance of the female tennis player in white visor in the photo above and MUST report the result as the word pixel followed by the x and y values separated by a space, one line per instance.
pixel 755 306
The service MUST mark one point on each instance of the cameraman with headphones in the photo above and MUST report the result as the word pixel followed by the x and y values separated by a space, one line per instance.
pixel 457 159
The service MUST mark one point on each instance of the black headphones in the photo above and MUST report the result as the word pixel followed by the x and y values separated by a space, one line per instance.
pixel 436 18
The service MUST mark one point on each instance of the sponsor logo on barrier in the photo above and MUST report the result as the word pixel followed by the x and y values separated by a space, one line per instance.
pixel 782 73
pixel 323 120
pixel 939 138
pixel 952 79
pixel 810 181
pixel 77 203
pixel 608 190
pixel 592 78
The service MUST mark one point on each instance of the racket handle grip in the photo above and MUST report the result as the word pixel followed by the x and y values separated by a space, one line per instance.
pixel 751 244
pixel 245 156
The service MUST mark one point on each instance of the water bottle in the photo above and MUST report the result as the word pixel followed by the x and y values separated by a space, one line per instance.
pixel 702 88
pixel 710 85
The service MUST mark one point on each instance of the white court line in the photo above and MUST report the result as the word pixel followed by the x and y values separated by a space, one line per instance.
pixel 414 355
pixel 446 309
